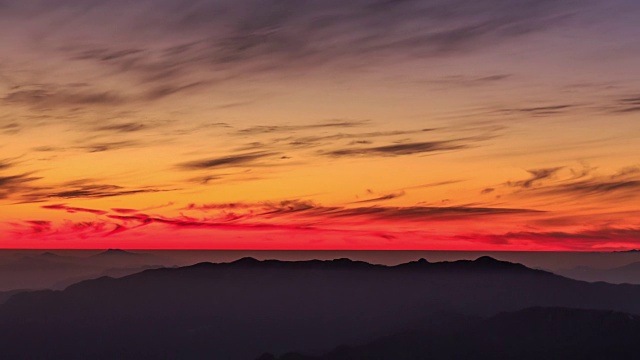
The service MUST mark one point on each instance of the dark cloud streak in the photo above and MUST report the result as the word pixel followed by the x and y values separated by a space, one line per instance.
pixel 292 128
pixel 536 176
pixel 398 149
pixel 381 198
pixel 240 160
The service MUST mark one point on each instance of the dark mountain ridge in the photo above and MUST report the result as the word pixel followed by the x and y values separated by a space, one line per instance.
pixel 241 309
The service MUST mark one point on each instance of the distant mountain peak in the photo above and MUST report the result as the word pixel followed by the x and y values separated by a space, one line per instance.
pixel 116 252
pixel 248 260
pixel 489 263
pixel 49 254
pixel 488 260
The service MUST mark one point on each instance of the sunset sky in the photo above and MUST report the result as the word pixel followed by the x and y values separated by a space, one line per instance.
pixel 299 124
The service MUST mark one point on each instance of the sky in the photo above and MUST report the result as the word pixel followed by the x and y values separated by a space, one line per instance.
pixel 299 124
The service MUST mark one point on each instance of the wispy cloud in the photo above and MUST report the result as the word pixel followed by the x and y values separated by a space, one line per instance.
pixel 108 146
pixel 311 209
pixel 536 176
pixel 26 188
pixel 299 215
pixel 173 48
pixel 48 97
pixel 579 184
pixel 122 127
pixel 11 185
pixel 240 160
pixel 6 163
pixel 466 81
pixel 621 105
pixel 72 209
pixel 290 140
pixel 398 149
pixel 381 198
pixel 597 187
pixel 270 129
pixel 96 191
pixel 540 111
pixel 599 238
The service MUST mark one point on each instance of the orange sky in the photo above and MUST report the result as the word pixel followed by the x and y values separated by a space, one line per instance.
pixel 499 125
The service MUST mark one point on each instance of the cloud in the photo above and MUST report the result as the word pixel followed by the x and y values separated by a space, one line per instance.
pixel 536 176
pixel 310 209
pixel 381 198
pixel 6 163
pixel 240 160
pixel 222 206
pixel 52 97
pixel 22 189
pixel 124 211
pixel 11 128
pixel 597 187
pixel 439 183
pixel 184 222
pixel 304 141
pixel 277 215
pixel 297 142
pixel 122 127
pixel 16 184
pixel 426 213
pixel 281 216
pixel 398 149
pixel 71 209
pixel 39 226
pixel 94 146
pixel 108 146
pixel 162 91
pixel 82 229
pixel 600 238
pixel 625 105
pixel 540 111
pixel 167 46
pixel 627 171
pixel 96 191
pixel 580 184
pixel 466 81
pixel 292 128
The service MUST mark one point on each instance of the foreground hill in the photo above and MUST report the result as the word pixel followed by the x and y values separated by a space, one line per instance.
pixel 242 309
pixel 531 334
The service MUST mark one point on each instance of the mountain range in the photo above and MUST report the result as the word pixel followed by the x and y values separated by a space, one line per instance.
pixel 239 310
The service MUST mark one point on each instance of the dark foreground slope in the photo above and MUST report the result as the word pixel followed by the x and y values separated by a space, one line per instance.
pixel 531 334
pixel 245 308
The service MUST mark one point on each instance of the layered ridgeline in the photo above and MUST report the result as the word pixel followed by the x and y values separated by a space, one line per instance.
pixel 52 271
pixel 530 334
pixel 242 309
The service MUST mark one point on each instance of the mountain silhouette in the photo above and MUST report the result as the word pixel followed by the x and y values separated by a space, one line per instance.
pixel 52 271
pixel 239 310
pixel 5 295
pixel 629 273
pixel 116 252
pixel 530 334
